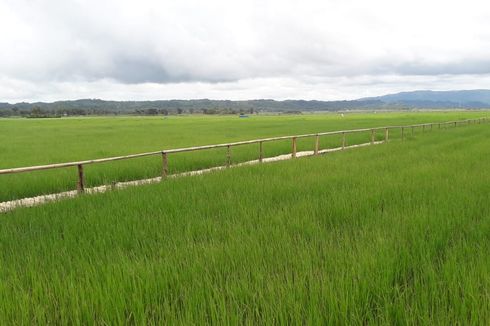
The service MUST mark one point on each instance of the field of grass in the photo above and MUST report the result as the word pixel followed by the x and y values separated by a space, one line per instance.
pixel 26 142
pixel 391 234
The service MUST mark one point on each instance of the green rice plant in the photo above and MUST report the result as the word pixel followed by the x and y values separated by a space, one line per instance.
pixel 390 234
pixel 27 142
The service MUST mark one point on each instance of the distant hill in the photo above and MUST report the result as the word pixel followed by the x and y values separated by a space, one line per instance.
pixel 100 107
pixel 479 98
pixel 466 99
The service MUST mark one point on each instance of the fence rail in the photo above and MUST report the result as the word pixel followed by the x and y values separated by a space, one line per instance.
pixel 165 153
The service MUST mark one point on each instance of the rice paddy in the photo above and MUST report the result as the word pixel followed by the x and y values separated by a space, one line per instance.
pixel 392 234
pixel 27 142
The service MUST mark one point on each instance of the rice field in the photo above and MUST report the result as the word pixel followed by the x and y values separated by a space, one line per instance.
pixel 392 234
pixel 27 142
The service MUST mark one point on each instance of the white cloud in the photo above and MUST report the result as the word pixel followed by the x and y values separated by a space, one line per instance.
pixel 149 49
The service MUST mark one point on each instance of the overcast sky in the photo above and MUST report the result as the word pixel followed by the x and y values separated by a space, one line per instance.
pixel 162 49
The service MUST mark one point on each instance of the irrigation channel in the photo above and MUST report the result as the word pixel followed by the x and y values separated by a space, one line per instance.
pixel 81 189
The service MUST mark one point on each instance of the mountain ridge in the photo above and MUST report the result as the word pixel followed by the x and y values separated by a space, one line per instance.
pixel 456 96
pixel 419 99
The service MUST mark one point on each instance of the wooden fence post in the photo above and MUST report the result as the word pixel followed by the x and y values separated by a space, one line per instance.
pixel 439 125
pixel 293 154
pixel 431 126
pixel 317 144
pixel 454 123
pixel 386 135
pixel 261 152
pixel 228 156
pixel 403 138
pixel 343 140
pixel 372 136
pixel 164 165
pixel 423 128
pixel 412 130
pixel 81 181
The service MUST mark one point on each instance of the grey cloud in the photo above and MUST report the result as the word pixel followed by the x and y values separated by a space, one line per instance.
pixel 135 71
pixel 314 43
pixel 469 67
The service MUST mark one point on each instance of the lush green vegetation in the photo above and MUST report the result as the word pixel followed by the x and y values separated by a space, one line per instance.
pixel 25 142
pixel 390 234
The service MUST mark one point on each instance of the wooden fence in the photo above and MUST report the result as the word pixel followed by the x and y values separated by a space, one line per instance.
pixel 165 153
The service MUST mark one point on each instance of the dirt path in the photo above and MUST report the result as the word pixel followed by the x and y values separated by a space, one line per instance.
pixel 39 200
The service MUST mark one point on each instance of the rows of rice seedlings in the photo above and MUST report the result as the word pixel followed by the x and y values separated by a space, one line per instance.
pixel 44 141
pixel 389 234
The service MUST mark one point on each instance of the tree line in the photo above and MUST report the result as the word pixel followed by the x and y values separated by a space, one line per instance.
pixel 177 107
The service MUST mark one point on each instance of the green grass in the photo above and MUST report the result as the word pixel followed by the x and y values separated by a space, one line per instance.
pixel 390 234
pixel 26 142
